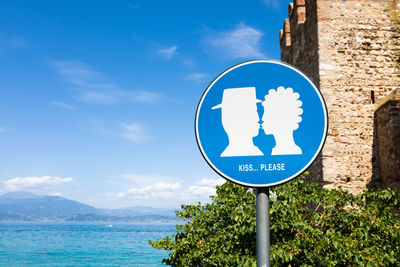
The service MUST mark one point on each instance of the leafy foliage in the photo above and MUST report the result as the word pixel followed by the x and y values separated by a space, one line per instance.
pixel 309 226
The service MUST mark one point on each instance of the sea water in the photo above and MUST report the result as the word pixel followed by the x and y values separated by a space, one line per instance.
pixel 81 244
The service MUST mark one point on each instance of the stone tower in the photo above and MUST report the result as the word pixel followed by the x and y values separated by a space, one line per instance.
pixel 351 50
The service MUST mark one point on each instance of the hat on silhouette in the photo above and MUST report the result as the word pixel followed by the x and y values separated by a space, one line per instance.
pixel 233 97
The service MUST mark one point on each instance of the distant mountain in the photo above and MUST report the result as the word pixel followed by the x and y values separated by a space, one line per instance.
pixel 25 206
pixel 140 219
pixel 28 204
pixel 138 211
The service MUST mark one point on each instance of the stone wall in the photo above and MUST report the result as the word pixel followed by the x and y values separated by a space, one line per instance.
pixel 351 51
pixel 299 47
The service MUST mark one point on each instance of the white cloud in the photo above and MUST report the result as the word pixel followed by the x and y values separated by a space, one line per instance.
pixel 155 190
pixel 166 186
pixel 95 88
pixel 201 190
pixel 142 190
pixel 205 187
pixel 272 3
pixel 196 77
pixel 241 42
pixel 121 194
pixel 133 132
pixel 20 183
pixel 168 52
pixel 210 182
pixel 146 178
pixel 148 186
pixel 158 190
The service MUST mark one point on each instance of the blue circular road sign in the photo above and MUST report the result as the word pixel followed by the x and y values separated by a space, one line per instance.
pixel 261 123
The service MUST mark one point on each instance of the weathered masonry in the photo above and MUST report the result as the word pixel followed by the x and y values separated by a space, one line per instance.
pixel 351 50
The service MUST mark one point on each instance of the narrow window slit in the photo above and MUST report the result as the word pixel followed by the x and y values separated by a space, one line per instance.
pixel 372 97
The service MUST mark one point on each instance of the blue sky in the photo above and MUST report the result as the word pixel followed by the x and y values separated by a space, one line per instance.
pixel 97 99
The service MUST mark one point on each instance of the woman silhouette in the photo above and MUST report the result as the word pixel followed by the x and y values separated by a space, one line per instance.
pixel 281 117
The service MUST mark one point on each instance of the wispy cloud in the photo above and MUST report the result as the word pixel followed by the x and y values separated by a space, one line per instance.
pixel 168 52
pixel 133 6
pixel 146 97
pixel 133 131
pixel 196 77
pixel 189 62
pixel 272 3
pixel 95 88
pixel 21 183
pixel 12 41
pixel 63 105
pixel 100 97
pixel 81 75
pixel 4 129
pixel 242 42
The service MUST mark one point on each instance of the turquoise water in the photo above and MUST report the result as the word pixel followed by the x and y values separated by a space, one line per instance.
pixel 81 244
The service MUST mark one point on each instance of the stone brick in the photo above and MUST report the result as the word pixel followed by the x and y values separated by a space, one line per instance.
pixel 351 50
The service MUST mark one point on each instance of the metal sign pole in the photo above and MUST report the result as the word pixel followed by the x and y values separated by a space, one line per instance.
pixel 262 227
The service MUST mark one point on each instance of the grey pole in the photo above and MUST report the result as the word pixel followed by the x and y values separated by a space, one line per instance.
pixel 262 227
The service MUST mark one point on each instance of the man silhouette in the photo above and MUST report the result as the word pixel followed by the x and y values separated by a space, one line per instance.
pixel 240 121
pixel 281 117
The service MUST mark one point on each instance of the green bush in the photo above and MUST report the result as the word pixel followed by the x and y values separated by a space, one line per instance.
pixel 309 226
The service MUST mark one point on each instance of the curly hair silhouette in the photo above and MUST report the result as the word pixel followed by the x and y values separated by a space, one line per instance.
pixel 281 117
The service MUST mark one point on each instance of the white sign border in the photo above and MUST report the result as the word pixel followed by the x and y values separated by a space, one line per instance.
pixel 243 64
